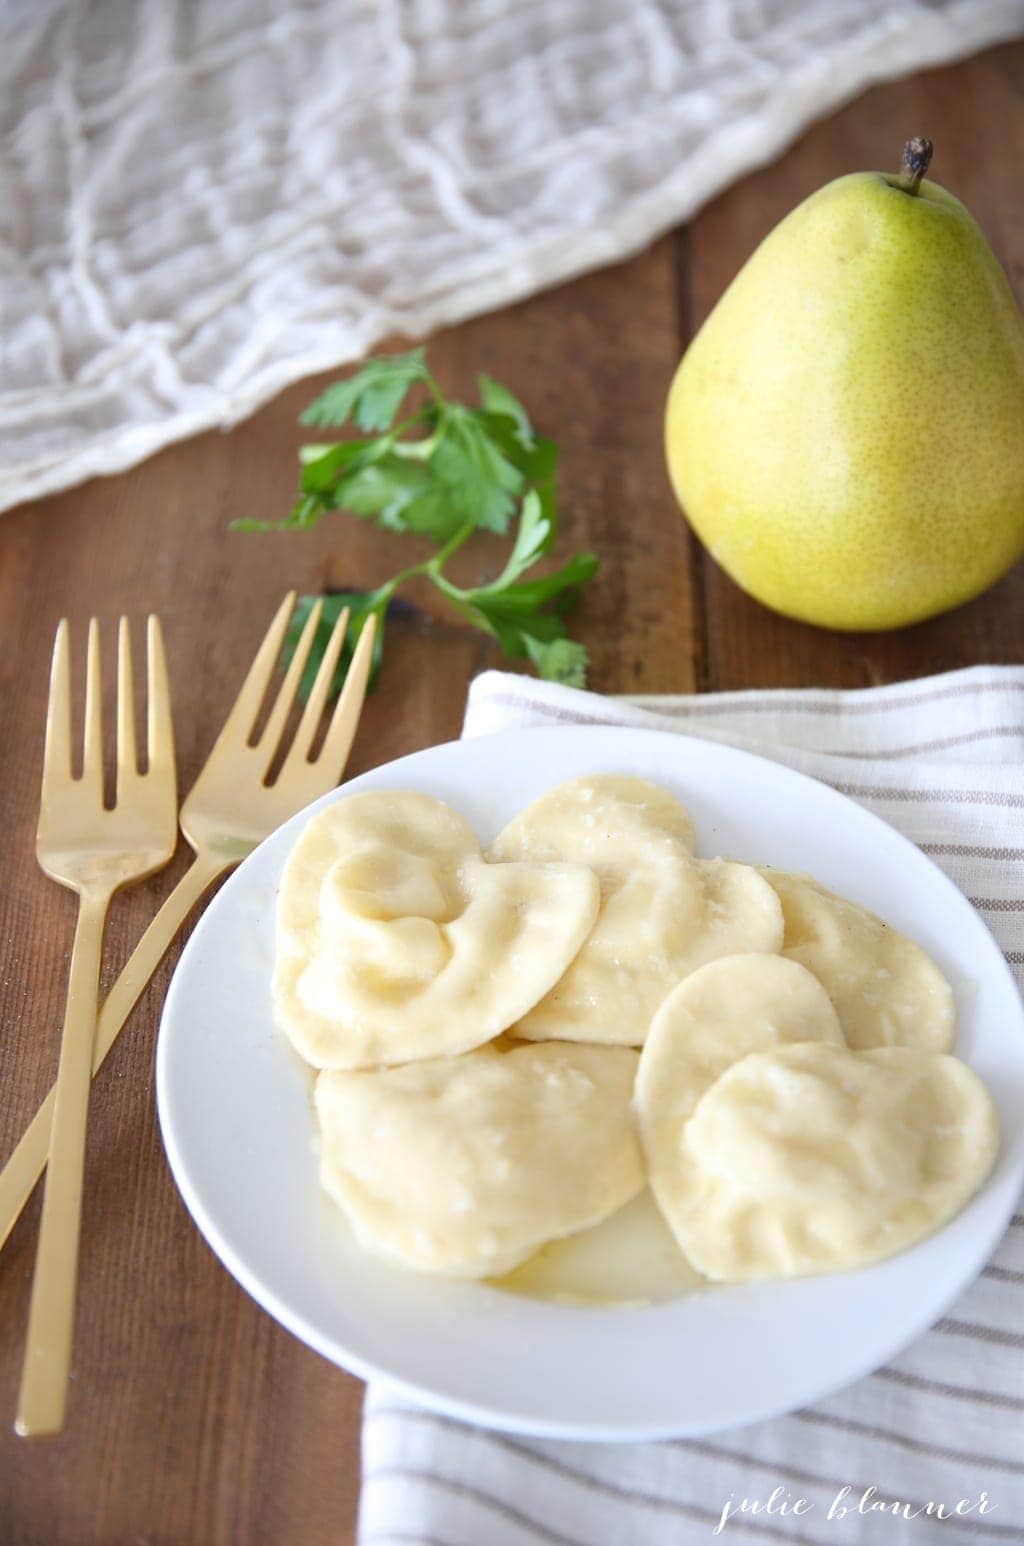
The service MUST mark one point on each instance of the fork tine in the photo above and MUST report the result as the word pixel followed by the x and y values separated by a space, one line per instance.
pixel 92 755
pixel 57 755
pixel 239 723
pixel 321 689
pixel 159 728
pixel 342 728
pixel 127 753
pixel 290 686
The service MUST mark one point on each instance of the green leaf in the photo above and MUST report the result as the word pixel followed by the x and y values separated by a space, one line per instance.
pixel 383 488
pixel 497 399
pixel 320 474
pixel 561 660
pixel 539 637
pixel 538 464
pixel 432 514
pixel 481 479
pixel 361 603
pixel 305 513
pixel 559 589
pixel 442 473
pixel 372 396
pixel 531 541
pixel 526 617
pixel 537 461
pixel 400 492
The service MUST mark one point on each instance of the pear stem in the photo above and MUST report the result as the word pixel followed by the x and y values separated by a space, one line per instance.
pixel 917 155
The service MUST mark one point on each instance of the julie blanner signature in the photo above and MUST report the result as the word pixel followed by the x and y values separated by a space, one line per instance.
pixel 781 1503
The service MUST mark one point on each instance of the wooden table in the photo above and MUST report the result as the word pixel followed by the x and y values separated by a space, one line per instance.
pixel 193 1417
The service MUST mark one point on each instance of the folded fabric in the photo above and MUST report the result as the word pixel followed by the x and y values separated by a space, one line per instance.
pixel 201 203
pixel 941 760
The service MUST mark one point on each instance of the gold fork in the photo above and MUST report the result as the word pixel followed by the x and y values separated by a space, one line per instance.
pixel 229 810
pixel 93 851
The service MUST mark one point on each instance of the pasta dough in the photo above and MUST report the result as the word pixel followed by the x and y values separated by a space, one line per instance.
pixel 813 1159
pixel 663 913
pixel 793 1107
pixel 608 821
pixel 887 992
pixel 716 1016
pixel 396 940
pixel 464 1166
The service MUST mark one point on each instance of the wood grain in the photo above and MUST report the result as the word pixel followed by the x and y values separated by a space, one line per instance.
pixel 193 1417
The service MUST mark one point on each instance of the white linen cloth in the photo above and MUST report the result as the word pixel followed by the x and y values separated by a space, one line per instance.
pixel 940 759
pixel 202 201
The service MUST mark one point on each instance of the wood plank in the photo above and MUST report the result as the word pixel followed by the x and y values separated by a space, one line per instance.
pixel 193 1416
pixel 973 112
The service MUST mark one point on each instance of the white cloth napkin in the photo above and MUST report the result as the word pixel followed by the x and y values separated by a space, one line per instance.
pixel 202 201
pixel 941 760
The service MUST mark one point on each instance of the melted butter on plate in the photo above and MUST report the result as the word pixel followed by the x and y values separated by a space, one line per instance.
pixel 629 1259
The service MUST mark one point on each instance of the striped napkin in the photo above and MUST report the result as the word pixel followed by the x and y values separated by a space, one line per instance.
pixel 941 760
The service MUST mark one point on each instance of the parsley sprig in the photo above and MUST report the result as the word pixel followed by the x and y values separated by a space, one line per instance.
pixel 443 472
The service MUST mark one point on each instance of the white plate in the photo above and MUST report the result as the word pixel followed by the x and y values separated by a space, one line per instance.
pixel 235 1112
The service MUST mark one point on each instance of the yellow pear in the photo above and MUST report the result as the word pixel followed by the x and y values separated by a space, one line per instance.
pixel 846 431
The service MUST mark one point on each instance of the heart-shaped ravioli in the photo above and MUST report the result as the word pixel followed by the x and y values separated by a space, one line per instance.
pixel 604 820
pixel 720 1013
pixel 813 1158
pixel 464 1166
pixel 663 913
pixel 887 991
pixel 396 940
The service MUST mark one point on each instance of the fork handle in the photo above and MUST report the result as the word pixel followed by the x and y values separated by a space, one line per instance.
pixel 44 1373
pixel 27 1163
